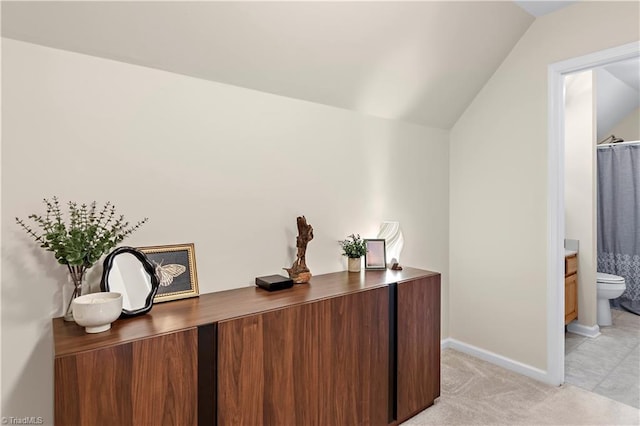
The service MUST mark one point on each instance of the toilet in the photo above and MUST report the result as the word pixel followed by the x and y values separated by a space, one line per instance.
pixel 609 287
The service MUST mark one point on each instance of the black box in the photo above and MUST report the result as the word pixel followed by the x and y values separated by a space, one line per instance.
pixel 274 282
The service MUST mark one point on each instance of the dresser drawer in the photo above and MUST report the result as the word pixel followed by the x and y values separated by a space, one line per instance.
pixel 570 265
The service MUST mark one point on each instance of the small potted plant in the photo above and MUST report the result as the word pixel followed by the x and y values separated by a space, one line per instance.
pixel 89 234
pixel 354 248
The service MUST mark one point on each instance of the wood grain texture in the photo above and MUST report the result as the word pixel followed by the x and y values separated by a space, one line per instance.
pixel 151 381
pixel 291 360
pixel 354 344
pixel 570 264
pixel 317 353
pixel 418 345
pixel 214 307
pixel 570 288
pixel 570 298
pixel 240 372
pixel 77 377
pixel 313 364
pixel 268 368
pixel 164 379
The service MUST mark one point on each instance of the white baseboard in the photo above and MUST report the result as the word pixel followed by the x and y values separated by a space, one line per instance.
pixel 445 343
pixel 499 360
pixel 584 330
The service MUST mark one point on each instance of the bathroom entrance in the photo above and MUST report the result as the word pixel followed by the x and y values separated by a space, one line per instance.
pixel 602 189
pixel 599 217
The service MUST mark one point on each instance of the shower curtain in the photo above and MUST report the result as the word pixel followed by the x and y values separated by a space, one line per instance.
pixel 619 218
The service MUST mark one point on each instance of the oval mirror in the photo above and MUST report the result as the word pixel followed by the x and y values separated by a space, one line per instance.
pixel 128 271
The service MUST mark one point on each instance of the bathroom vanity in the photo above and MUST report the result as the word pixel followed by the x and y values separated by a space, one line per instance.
pixel 345 349
pixel 570 286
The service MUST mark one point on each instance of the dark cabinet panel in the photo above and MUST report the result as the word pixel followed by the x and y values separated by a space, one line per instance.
pixel 418 345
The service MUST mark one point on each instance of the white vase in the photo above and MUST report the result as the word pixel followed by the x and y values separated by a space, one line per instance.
pixel 394 240
pixel 354 264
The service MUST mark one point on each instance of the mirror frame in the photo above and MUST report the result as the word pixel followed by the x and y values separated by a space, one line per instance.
pixel 148 267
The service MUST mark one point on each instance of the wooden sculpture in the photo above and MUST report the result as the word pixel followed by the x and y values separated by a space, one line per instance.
pixel 299 272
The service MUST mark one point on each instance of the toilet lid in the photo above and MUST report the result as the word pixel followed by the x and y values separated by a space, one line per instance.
pixel 601 277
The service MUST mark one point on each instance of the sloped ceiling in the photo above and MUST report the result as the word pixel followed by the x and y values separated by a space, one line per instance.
pixel 617 94
pixel 421 62
pixel 626 71
pixel 541 7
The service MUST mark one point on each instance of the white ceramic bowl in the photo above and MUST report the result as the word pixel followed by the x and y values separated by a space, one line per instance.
pixel 96 311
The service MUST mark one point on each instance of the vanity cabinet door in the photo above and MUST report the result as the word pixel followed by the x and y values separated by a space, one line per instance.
pixel 418 345
pixel 570 288
pixel 570 298
pixel 147 382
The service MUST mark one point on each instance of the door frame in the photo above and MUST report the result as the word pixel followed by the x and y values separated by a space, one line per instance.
pixel 555 195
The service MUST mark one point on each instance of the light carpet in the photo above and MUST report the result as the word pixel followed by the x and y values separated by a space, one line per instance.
pixel 475 392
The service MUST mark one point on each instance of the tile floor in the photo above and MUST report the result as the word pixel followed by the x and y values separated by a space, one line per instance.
pixel 609 364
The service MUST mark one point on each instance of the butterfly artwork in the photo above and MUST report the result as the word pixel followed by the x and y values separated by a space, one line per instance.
pixel 166 273
pixel 175 268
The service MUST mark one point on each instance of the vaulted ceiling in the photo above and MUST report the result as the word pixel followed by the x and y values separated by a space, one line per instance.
pixel 421 62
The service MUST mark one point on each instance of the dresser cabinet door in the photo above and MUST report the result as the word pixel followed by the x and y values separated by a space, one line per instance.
pixel 319 363
pixel 267 368
pixel 418 345
pixel 354 361
pixel 147 382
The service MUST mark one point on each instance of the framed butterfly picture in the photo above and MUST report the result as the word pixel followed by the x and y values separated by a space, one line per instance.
pixel 175 267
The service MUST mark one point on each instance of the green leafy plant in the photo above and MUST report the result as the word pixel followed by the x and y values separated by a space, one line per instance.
pixel 80 242
pixel 88 234
pixel 353 246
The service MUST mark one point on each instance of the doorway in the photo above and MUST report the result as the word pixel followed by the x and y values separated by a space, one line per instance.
pixel 556 194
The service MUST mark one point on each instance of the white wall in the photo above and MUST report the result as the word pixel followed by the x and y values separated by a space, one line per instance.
pixel 498 178
pixel 616 100
pixel 629 127
pixel 580 186
pixel 226 168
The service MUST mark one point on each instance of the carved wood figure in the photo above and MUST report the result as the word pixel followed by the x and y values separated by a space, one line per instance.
pixel 299 272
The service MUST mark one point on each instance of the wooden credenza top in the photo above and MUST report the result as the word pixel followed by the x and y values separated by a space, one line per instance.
pixel 220 306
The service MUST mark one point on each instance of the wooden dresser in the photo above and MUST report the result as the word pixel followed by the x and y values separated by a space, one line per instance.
pixel 345 349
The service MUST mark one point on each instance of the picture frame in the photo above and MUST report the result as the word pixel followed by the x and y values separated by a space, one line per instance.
pixel 376 255
pixel 176 270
